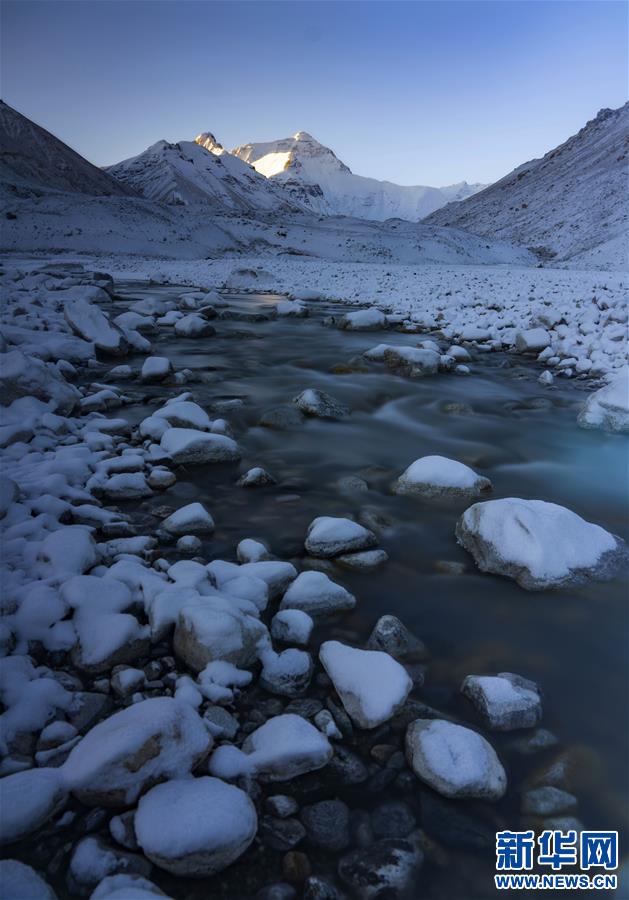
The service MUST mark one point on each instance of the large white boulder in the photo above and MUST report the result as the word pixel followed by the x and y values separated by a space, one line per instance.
pixel 608 408
pixel 539 544
pixel 156 368
pixel 454 760
pixel 329 536
pixel 135 748
pixel 371 684
pixel 186 446
pixel 437 477
pixel 532 341
pixel 195 827
pixel 314 593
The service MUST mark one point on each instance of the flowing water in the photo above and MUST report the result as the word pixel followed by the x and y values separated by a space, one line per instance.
pixel 499 420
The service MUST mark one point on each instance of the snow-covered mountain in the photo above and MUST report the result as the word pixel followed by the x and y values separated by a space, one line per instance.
pixel 198 172
pixel 316 179
pixel 31 157
pixel 572 203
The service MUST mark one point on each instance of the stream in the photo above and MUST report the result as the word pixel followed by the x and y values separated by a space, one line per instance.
pixel 503 423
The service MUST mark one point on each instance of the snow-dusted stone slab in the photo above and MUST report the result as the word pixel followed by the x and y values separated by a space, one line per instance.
pixel 371 684
pixel 194 326
pixel 184 414
pixel 539 544
pixel 283 748
pixel 329 536
pixel 320 405
pixel 532 341
pixel 91 323
pixel 191 519
pixel 412 361
pixel 364 561
pixel 505 701
pixel 70 550
pixel 437 478
pixel 316 594
pixel 186 446
pixel 20 882
pixel 27 800
pixel 107 639
pixel 455 761
pixel 195 827
pixel 371 319
pixel 207 631
pixel 135 748
pixel 156 368
pixel 608 408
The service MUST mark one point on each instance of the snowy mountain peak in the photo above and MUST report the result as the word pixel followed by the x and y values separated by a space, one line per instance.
pixel 206 139
pixel 315 178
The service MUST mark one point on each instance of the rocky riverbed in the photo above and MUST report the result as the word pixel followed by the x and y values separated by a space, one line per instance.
pixel 297 603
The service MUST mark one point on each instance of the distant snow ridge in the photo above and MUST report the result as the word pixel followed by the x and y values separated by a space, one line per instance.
pixel 573 203
pixel 316 179
pixel 195 172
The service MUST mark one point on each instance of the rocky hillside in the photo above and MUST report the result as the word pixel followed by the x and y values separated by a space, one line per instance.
pixel 571 204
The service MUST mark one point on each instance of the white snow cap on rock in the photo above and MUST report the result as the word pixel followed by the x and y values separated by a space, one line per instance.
pixel 191 447
pixel 539 544
pixel 329 536
pixel 454 760
pixel 195 827
pixel 314 593
pixel 437 476
pixel 371 684
pixel 608 408
pixel 283 748
pixel 505 701
pixel 191 519
pixel 153 739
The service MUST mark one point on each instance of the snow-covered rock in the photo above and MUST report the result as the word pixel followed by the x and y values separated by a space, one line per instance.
pixel 539 544
pixel 186 446
pixel 194 326
pixel 68 551
pixel 134 748
pixel 195 827
pixel 256 477
pixel 208 630
pixel 437 477
pixel 292 626
pixel 92 324
pixel 533 340
pixel 20 882
pixel 371 684
pixel 505 701
pixel 27 800
pixel 412 361
pixel 385 868
pixel 287 673
pixel 93 860
pixel 363 561
pixel 283 748
pixel 316 594
pixel 371 319
pixel 191 519
pixel 329 536
pixel 156 368
pixel 454 760
pixel 608 408
pixel 126 486
pixel 25 376
pixel 251 551
pixel 126 887
pixel 320 405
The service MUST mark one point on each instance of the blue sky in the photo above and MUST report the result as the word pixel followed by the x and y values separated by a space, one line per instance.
pixel 416 92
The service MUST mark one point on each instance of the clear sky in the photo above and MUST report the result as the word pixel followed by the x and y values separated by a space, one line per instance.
pixel 416 92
